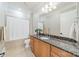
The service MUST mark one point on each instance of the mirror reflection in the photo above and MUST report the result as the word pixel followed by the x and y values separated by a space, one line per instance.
pixel 61 19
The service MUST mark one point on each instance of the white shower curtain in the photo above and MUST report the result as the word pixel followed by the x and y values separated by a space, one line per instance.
pixel 2 42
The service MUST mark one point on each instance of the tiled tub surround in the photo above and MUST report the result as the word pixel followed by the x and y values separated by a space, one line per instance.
pixel 63 43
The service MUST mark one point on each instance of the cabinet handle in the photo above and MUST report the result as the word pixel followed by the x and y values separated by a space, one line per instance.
pixel 62 54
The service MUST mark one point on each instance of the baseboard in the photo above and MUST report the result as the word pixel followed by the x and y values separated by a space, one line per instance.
pixel 15 39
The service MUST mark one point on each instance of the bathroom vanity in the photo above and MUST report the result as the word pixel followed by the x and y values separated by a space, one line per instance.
pixel 52 47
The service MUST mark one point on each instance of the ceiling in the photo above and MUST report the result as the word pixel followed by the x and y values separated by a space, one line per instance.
pixel 37 6
pixel 34 6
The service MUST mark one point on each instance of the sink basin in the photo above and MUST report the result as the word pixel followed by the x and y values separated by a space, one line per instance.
pixel 44 38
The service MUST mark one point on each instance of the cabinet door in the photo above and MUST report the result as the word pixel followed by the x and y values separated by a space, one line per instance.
pixel 54 55
pixel 44 49
pixel 36 47
pixel 58 52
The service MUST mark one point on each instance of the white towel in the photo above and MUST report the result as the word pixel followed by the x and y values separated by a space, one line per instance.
pixel 74 31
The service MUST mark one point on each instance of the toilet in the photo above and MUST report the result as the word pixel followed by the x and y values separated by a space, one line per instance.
pixel 26 43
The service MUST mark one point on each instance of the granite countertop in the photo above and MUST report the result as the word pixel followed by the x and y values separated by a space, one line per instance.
pixel 62 44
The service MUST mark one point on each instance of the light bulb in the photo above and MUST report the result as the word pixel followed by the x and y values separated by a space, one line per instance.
pixel 50 9
pixel 45 10
pixel 54 7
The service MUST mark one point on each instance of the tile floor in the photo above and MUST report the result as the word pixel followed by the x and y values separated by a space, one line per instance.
pixel 16 49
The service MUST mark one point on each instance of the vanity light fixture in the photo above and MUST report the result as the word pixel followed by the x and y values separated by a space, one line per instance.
pixel 44 10
pixel 54 7
pixel 48 7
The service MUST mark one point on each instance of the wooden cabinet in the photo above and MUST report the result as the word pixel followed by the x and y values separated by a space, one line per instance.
pixel 56 52
pixel 36 47
pixel 43 49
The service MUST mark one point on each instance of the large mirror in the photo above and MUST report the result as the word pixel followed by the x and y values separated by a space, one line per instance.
pixel 62 20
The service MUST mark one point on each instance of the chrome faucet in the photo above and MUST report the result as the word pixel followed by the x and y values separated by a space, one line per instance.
pixel 48 32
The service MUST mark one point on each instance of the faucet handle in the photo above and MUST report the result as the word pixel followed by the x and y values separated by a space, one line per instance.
pixel 61 33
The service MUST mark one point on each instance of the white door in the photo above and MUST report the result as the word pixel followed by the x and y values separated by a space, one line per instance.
pixel 17 28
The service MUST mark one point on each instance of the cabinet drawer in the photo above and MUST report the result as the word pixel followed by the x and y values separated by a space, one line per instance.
pixel 59 52
pixel 44 49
